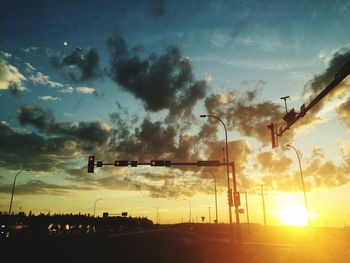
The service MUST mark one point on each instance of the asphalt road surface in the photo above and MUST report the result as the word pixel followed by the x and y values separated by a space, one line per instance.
pixel 187 244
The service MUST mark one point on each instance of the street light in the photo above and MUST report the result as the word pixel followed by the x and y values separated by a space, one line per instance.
pixel 227 168
pixel 302 180
pixel 216 200
pixel 95 204
pixel 13 188
pixel 189 203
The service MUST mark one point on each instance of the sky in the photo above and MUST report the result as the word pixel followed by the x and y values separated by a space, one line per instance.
pixel 128 80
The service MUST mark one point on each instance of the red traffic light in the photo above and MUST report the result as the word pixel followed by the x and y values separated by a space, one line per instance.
pixel 91 163
pixel 236 199
pixel 121 163
pixel 157 162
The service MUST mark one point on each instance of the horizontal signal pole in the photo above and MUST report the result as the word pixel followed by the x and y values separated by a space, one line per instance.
pixel 100 164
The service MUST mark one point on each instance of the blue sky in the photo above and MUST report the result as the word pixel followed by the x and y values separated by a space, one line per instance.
pixel 104 77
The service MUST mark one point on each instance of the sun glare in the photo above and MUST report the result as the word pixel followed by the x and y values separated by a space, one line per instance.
pixel 292 213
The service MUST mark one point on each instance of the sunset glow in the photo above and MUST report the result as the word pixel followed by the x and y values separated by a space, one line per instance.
pixel 125 82
pixel 292 214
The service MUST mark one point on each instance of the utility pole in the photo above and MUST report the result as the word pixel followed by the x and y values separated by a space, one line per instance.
pixel 263 203
pixel 246 208
pixel 209 215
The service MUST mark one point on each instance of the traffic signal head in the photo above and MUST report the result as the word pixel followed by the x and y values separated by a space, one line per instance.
pixel 157 162
pixel 273 135
pixel 91 163
pixel 236 199
pixel 121 163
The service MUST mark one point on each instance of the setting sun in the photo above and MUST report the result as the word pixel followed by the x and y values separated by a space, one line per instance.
pixel 292 213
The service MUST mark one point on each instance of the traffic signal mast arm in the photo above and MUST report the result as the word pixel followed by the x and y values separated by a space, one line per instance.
pixel 291 117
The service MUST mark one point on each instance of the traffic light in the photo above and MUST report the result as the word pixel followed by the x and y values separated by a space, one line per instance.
pixel 157 162
pixel 121 163
pixel 208 163
pixel 274 138
pixel 236 199
pixel 229 197
pixel 91 161
pixel 167 163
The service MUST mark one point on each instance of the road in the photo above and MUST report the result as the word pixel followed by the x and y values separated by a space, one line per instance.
pixel 191 244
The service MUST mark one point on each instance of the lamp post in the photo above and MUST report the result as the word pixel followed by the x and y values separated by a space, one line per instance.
pixel 95 204
pixel 227 166
pixel 216 200
pixel 302 180
pixel 189 203
pixel 13 189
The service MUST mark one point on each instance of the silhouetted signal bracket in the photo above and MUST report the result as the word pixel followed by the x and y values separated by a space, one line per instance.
pixel 155 163
pixel 292 117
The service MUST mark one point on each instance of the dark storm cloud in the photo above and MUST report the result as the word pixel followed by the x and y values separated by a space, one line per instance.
pixel 161 82
pixel 35 116
pixel 79 66
pixel 15 89
pixel 39 187
pixel 44 121
pixel 158 140
pixel 157 8
pixel 21 150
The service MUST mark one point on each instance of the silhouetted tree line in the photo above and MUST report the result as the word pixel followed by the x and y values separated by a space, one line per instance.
pixel 42 225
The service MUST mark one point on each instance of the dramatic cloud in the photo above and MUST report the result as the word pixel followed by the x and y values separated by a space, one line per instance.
pixel 79 66
pixel 161 82
pixel 344 112
pixel 320 81
pixel 15 89
pixel 157 8
pixel 39 78
pixel 86 132
pixel 318 171
pixel 246 115
pixel 39 187
pixel 23 150
pixel 11 78
pixel 270 162
pixel 87 90
pixel 48 98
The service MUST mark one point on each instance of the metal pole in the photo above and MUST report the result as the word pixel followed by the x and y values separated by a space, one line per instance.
pixel 263 204
pixel 95 204
pixel 209 215
pixel 302 180
pixel 246 207
pixel 227 165
pixel 216 199
pixel 13 189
